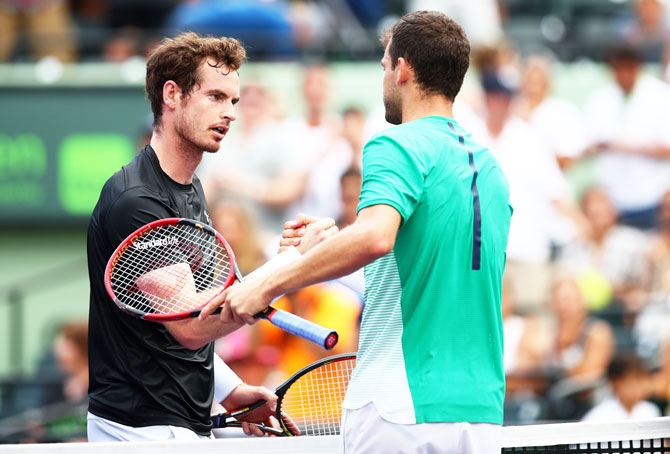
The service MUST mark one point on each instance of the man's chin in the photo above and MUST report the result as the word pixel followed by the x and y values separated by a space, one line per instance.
pixel 392 114
pixel 393 119
pixel 212 147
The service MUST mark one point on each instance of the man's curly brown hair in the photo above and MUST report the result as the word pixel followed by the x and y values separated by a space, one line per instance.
pixel 179 59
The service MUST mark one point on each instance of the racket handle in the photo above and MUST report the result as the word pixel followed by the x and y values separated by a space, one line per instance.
pixel 298 326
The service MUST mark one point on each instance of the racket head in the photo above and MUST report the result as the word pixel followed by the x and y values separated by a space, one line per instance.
pixel 169 269
pixel 312 397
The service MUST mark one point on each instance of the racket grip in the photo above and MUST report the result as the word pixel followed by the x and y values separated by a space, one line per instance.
pixel 298 326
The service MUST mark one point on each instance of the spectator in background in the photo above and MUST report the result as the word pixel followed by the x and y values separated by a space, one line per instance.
pixel 353 131
pixel 582 346
pixel 610 263
pixel 659 254
pixel 50 406
pixel 526 346
pixel 71 351
pixel 538 191
pixel 558 121
pixel 238 226
pixel 661 379
pixel 244 352
pixel 481 19
pixel 47 23
pixel 369 12
pixel 144 131
pixel 648 28
pixel 141 15
pixel 329 304
pixel 264 27
pixel 324 151
pixel 652 326
pixel 630 382
pixel 350 191
pixel 627 123
pixel 124 44
pixel 261 168
pixel 132 28
pixel 242 349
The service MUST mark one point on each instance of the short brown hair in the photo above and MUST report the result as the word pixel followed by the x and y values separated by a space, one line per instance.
pixel 77 333
pixel 436 48
pixel 179 59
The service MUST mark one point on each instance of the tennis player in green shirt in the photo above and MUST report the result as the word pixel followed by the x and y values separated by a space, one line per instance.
pixel 431 231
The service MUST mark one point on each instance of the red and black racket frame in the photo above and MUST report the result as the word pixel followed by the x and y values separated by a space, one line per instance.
pixel 284 320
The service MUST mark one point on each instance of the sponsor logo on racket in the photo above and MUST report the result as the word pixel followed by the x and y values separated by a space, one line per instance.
pixel 141 245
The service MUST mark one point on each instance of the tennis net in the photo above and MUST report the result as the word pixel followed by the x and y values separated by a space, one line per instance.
pixel 620 437
pixel 629 437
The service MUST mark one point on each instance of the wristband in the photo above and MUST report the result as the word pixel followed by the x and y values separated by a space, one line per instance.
pixel 225 380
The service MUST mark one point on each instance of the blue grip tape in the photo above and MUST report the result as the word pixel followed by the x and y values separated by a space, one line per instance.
pixel 304 328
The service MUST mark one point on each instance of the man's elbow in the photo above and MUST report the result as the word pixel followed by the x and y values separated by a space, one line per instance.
pixel 188 340
pixel 379 246
pixel 191 344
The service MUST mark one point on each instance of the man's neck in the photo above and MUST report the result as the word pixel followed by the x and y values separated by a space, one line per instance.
pixel 176 159
pixel 419 105
pixel 535 100
pixel 495 126
pixel 314 117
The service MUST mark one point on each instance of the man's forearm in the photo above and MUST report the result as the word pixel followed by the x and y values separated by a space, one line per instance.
pixel 352 248
pixel 371 236
pixel 193 333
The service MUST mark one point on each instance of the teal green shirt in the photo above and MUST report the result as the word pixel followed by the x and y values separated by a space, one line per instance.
pixel 431 341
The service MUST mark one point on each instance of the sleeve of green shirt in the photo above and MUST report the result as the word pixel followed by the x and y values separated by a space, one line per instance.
pixel 392 175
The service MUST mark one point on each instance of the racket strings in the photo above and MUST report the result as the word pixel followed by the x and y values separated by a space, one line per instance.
pixel 170 269
pixel 314 401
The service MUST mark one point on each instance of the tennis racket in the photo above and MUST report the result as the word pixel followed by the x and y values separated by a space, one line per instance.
pixel 171 268
pixel 311 399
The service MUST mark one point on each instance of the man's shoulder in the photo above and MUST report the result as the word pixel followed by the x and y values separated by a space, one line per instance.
pixel 134 182
pixel 629 237
pixel 412 134
pixel 604 98
pixel 646 409
pixel 388 132
pixel 139 175
pixel 652 84
pixel 608 409
pixel 652 95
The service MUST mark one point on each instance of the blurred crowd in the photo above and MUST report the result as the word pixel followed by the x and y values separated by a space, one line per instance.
pixel 586 304
pixel 586 291
pixel 116 30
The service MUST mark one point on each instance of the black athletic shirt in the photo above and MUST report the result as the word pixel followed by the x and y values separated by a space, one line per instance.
pixel 139 374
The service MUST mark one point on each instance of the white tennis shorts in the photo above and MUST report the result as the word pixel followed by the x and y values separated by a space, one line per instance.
pixel 364 431
pixel 101 429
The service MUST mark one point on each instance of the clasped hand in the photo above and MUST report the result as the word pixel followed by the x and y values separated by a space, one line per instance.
pixel 241 302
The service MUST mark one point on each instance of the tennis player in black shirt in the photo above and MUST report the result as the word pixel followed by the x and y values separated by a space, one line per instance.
pixel 148 380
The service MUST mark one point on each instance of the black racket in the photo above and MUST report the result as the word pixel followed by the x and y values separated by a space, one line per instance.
pixel 171 268
pixel 311 399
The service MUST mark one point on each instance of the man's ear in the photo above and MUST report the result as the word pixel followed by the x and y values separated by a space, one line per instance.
pixel 403 71
pixel 171 94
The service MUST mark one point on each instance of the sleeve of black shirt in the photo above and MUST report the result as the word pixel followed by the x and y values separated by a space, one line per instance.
pixel 133 209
